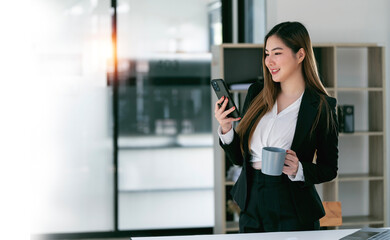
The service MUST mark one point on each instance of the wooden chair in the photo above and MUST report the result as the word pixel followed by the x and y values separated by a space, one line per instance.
pixel 332 216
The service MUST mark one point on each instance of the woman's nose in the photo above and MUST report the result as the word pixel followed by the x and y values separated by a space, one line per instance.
pixel 269 60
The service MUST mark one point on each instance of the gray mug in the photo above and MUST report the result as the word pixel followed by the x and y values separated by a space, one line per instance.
pixel 273 161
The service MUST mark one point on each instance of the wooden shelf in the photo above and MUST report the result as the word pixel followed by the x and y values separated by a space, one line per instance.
pixel 232 226
pixel 361 220
pixel 359 89
pixel 344 45
pixel 243 91
pixel 330 89
pixel 362 133
pixel 229 183
pixel 358 177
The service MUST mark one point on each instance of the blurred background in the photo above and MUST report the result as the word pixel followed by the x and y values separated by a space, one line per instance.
pixel 147 166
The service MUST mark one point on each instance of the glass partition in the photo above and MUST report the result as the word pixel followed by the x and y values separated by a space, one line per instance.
pixel 165 156
pixel 165 144
pixel 72 188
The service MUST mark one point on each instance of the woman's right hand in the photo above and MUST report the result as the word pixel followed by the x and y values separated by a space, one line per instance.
pixel 221 115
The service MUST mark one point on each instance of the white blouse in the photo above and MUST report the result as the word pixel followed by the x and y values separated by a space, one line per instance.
pixel 273 130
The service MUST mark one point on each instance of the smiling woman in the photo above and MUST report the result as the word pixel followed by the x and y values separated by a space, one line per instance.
pixel 292 111
pixel 285 68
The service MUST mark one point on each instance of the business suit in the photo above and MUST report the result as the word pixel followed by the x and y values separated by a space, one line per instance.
pixel 305 198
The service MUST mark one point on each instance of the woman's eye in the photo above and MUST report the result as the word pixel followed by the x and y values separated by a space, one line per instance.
pixel 278 53
pixel 266 54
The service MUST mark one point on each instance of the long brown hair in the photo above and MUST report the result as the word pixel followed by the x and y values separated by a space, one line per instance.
pixel 295 36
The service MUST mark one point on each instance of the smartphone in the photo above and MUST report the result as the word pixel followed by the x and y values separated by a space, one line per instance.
pixel 221 89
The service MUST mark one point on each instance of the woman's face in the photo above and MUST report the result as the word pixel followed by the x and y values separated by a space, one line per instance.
pixel 282 63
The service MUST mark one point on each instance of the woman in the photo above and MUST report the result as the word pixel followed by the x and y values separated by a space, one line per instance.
pixel 291 111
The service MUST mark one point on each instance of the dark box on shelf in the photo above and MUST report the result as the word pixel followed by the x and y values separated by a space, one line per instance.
pixel 346 118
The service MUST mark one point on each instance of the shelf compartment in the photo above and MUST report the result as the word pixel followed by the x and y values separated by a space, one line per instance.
pixel 325 58
pixel 352 68
pixel 361 220
pixel 354 161
pixel 359 177
pixel 367 156
pixel 360 66
pixel 354 197
pixel 362 202
pixel 376 70
pixel 248 60
pixel 368 109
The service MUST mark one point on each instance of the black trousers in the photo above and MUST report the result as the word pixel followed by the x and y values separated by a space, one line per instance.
pixel 270 207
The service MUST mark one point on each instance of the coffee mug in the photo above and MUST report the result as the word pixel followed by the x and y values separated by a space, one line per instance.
pixel 273 161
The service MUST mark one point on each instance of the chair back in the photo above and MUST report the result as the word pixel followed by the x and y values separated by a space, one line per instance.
pixel 332 216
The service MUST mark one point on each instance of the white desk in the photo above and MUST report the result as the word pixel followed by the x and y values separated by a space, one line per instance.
pixel 305 235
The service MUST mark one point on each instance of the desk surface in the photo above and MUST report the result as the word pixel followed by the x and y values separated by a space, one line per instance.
pixel 305 235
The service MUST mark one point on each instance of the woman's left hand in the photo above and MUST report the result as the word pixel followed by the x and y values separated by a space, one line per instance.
pixel 291 163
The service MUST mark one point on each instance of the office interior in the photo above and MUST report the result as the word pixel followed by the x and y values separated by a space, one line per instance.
pixel 126 125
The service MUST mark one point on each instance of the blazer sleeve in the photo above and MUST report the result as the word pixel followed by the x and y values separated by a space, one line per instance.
pixel 325 168
pixel 233 150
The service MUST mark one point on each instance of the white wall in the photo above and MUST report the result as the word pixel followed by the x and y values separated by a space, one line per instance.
pixel 164 28
pixel 359 21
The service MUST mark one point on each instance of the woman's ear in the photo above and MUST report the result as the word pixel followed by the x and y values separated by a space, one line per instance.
pixel 301 54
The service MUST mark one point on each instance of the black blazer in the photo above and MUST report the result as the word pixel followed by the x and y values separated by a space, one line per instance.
pixel 306 200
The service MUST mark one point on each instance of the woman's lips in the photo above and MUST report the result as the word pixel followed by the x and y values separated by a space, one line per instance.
pixel 274 71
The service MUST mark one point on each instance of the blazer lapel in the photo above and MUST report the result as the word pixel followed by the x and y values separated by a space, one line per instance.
pixel 306 116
